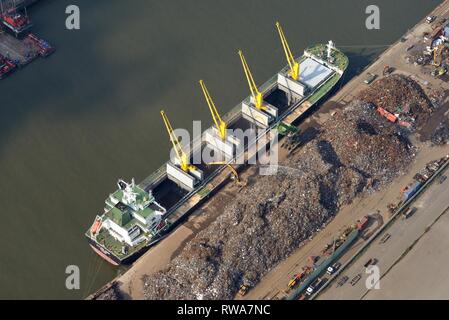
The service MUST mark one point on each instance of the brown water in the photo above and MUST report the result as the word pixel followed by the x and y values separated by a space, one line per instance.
pixel 71 125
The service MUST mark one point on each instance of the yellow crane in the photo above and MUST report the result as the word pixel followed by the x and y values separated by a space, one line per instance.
pixel 252 85
pixel 182 156
pixel 219 123
pixel 294 65
pixel 438 53
pixel 231 168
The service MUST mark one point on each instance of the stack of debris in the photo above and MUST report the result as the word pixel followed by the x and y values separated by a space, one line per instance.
pixel 356 152
pixel 400 96
pixel 441 134
pixel 111 293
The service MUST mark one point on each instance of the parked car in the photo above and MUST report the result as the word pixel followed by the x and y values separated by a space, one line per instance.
pixel 384 238
pixel 370 78
pixel 442 179
pixel 408 213
pixel 342 281
pixel 370 262
pixel 430 19
pixel 356 279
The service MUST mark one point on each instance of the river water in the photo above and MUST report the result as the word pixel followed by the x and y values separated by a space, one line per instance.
pixel 73 124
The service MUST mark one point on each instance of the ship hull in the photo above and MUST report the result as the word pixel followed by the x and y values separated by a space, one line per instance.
pixel 116 261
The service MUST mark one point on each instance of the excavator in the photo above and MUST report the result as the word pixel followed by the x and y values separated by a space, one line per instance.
pixel 294 65
pixel 257 95
pixel 438 54
pixel 231 168
pixel 181 155
pixel 219 123
pixel 438 60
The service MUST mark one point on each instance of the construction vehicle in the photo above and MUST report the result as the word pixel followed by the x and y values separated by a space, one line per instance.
pixel 294 65
pixel 361 225
pixel 257 95
pixel 231 168
pixel 243 290
pixel 181 155
pixel 387 70
pixel 438 55
pixel 219 123
pixel 438 72
pixel 296 279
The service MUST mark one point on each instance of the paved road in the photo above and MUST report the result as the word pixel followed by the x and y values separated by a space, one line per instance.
pixel 431 204
pixel 423 272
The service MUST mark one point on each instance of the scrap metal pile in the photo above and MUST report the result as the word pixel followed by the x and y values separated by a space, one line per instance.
pixel 355 152
pixel 400 96
pixel 441 134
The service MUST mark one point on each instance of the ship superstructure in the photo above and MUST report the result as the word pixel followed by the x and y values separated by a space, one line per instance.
pixel 131 217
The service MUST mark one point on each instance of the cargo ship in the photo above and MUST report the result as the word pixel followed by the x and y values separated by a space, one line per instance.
pixel 138 216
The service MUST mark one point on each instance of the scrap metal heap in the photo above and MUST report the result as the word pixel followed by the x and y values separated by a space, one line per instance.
pixel 400 96
pixel 354 153
pixel 441 134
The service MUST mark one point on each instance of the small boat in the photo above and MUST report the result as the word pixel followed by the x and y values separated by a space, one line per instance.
pixel 44 48
pixel 6 66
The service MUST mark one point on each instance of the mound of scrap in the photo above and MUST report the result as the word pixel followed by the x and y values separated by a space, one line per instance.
pixel 441 134
pixel 401 96
pixel 355 152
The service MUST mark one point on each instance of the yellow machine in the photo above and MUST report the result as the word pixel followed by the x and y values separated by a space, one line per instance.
pixel 182 157
pixel 219 123
pixel 252 85
pixel 234 172
pixel 294 65
pixel 438 53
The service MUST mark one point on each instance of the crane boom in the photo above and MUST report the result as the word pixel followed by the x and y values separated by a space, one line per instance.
pixel 219 123
pixel 252 85
pixel 231 168
pixel 182 157
pixel 437 52
pixel 294 65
